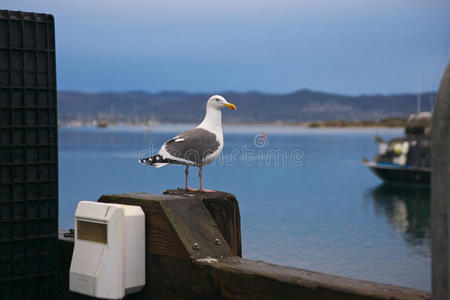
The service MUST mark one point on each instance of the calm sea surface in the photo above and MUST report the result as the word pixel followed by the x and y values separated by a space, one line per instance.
pixel 306 200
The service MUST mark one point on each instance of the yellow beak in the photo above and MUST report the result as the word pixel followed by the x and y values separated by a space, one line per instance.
pixel 230 105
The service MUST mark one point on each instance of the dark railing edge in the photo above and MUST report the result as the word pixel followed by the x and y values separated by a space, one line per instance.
pixel 248 270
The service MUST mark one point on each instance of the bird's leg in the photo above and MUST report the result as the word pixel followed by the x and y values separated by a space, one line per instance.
pixel 201 182
pixel 186 172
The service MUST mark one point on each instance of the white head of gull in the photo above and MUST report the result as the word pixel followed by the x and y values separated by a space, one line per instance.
pixel 195 147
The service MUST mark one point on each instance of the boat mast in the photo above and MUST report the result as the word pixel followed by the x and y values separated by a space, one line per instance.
pixel 419 99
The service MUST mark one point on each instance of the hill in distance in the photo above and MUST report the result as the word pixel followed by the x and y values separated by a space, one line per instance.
pixel 253 107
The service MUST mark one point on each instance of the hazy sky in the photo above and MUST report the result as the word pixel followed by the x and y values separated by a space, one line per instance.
pixel 342 46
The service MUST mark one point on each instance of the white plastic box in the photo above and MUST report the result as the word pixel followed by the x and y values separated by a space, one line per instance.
pixel 109 254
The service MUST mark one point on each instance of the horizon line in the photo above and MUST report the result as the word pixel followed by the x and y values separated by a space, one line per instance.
pixel 246 92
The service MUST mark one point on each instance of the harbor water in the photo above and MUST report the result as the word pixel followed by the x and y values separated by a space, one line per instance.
pixel 306 200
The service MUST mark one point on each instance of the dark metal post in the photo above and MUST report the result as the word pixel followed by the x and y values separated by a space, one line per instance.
pixel 440 191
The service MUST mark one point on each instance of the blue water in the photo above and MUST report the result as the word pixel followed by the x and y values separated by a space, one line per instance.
pixel 305 198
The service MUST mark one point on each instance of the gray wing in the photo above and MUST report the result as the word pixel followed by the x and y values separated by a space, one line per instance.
pixel 192 145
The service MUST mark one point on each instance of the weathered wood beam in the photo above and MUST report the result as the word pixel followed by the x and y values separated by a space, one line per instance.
pixel 237 278
pixel 179 229
pixel 440 191
pixel 177 270
pixel 224 209
pixel 178 226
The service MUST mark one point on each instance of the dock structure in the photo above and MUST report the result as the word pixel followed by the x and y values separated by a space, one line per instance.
pixel 194 251
pixel 440 191
pixel 192 240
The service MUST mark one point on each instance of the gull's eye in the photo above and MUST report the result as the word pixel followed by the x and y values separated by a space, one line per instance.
pixel 217 99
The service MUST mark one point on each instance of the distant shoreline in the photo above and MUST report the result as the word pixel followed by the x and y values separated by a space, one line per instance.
pixel 386 123
pixel 302 108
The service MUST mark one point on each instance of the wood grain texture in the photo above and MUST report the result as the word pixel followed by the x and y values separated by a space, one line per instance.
pixel 248 279
pixel 195 228
pixel 173 272
pixel 224 209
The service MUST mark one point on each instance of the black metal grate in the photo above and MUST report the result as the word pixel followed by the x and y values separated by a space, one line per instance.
pixel 28 156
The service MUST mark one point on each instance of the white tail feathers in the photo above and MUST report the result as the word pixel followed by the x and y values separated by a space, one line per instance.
pixel 159 165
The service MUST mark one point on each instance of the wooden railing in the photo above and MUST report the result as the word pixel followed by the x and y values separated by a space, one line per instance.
pixel 193 251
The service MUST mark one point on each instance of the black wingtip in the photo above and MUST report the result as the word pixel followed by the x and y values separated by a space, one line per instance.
pixel 145 160
pixel 156 159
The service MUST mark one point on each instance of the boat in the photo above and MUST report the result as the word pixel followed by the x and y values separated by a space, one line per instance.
pixel 405 159
pixel 101 124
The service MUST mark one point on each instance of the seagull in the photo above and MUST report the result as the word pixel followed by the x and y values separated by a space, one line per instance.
pixel 195 147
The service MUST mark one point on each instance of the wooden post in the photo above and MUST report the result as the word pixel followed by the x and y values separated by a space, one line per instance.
pixel 440 191
pixel 193 251
pixel 224 209
pixel 180 228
